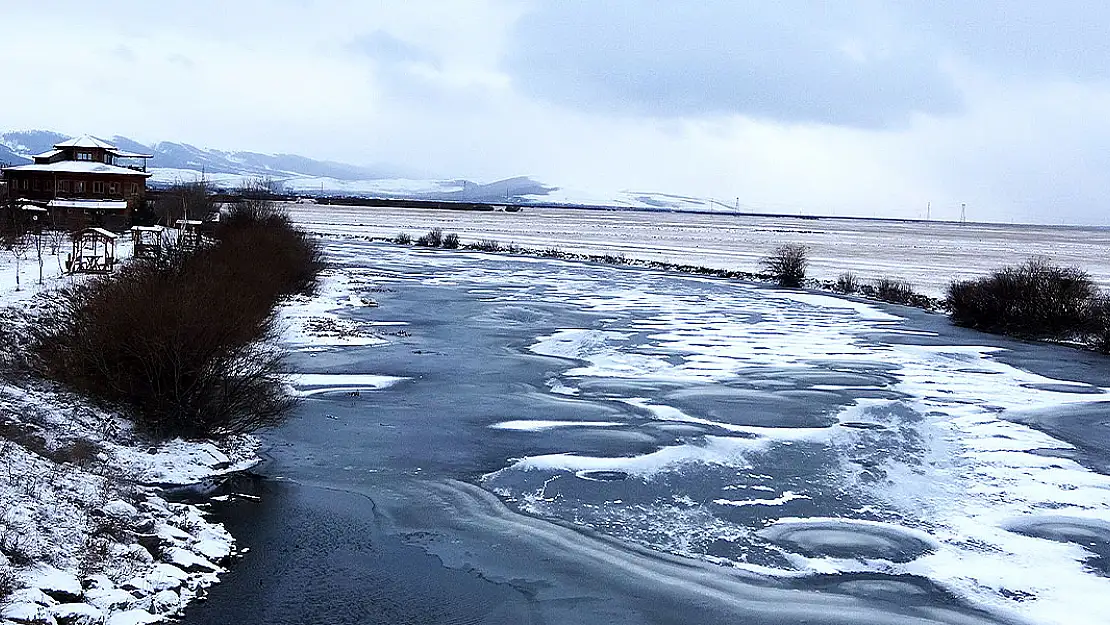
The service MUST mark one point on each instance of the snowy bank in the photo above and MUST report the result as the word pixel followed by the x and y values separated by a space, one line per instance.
pixel 85 533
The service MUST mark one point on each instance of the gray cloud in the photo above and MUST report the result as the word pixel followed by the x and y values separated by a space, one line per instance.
pixel 385 48
pixel 1019 38
pixel 812 62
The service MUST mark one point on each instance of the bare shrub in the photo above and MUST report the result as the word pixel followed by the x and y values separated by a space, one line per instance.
pixel 847 283
pixel 17 546
pixel 255 204
pixel 553 252
pixel 56 238
pixel 191 200
pixel 95 556
pixel 186 340
pixel 434 238
pixel 894 291
pixel 451 241
pixel 488 245
pixel 1037 300
pixel 80 452
pixel 9 583
pixel 403 239
pixel 787 264
pixel 614 259
pixel 1098 337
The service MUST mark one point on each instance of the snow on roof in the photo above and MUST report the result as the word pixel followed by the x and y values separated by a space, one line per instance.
pixel 102 232
pixel 126 154
pixel 80 167
pixel 190 222
pixel 48 154
pixel 111 205
pixel 32 208
pixel 85 141
pixel 148 228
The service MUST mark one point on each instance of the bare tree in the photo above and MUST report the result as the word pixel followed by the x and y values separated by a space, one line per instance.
pixel 20 247
pixel 184 200
pixel 787 264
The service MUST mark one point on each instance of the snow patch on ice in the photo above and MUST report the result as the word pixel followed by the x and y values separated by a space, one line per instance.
pixel 539 426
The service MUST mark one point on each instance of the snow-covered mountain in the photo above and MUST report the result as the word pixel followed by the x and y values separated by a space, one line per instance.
pixel 174 162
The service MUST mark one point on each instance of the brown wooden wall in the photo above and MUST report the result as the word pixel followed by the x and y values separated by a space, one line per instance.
pixel 23 184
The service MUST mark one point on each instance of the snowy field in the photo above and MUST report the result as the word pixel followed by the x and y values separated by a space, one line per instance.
pixel 927 254
pixel 737 453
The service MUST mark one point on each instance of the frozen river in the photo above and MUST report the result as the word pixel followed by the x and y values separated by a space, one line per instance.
pixel 927 254
pixel 539 441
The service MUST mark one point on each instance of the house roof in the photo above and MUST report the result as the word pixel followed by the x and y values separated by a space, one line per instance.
pixel 89 141
pixel 48 154
pixel 85 141
pixel 110 205
pixel 79 167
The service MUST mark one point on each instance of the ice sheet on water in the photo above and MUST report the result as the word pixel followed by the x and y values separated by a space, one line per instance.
pixel 923 446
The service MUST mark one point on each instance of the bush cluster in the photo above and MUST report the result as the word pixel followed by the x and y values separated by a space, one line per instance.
pixel 787 264
pixel 185 339
pixel 1036 300
pixel 434 238
pixel 894 291
pixel 847 283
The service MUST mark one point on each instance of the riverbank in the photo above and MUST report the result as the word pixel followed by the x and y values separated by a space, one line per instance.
pixel 86 533
pixel 108 413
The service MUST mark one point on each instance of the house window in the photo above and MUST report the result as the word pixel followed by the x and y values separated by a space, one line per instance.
pixel 134 188
pixel 113 188
pixel 25 181
pixel 35 184
pixel 84 156
pixel 98 187
pixel 63 186
pixel 79 186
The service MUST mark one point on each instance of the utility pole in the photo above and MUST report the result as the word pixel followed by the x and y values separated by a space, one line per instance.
pixel 928 211
pixel 963 213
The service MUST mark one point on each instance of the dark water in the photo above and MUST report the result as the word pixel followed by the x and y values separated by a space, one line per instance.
pixel 403 505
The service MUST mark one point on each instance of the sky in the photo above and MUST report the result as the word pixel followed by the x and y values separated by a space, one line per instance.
pixel 849 107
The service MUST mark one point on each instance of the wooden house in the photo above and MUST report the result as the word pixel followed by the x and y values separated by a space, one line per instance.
pixel 83 180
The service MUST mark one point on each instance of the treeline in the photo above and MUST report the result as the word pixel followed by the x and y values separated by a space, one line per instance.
pixel 187 339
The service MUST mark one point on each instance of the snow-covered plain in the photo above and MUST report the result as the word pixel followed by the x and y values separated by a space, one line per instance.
pixel 927 254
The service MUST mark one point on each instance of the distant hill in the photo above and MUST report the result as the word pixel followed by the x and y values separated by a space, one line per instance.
pixel 174 162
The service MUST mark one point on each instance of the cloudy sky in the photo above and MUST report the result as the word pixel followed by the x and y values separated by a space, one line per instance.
pixel 853 107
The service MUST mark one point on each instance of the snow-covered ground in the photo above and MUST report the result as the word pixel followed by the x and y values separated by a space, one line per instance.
pixel 85 534
pixel 927 254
